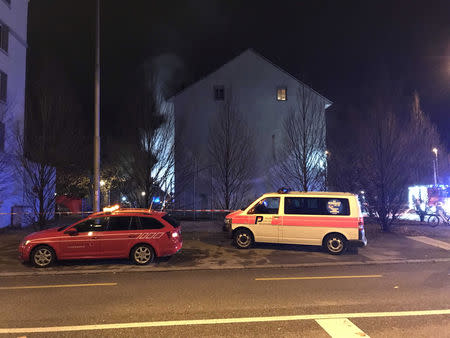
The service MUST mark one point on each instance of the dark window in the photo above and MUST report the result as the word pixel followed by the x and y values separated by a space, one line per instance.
pixel 268 205
pixel 92 224
pixel 117 223
pixel 282 94
pixel 4 36
pixel 2 136
pixel 316 206
pixel 150 223
pixel 219 93
pixel 134 224
pixel 171 221
pixel 3 83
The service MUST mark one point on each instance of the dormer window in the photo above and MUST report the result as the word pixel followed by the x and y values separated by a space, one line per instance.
pixel 281 94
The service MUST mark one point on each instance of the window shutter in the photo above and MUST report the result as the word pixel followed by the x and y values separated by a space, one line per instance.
pixel 3 83
pixel 5 37
pixel 2 136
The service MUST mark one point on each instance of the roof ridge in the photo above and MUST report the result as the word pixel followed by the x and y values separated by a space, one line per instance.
pixel 249 49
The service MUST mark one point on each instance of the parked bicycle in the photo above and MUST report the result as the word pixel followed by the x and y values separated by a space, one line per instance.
pixel 436 219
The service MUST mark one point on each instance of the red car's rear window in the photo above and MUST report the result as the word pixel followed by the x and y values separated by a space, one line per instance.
pixel 173 222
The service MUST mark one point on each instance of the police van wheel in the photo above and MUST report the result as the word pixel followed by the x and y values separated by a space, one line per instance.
pixel 335 244
pixel 243 239
pixel 142 254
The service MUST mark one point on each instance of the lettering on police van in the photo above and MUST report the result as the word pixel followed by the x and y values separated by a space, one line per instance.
pixel 334 207
pixel 259 219
pixel 151 235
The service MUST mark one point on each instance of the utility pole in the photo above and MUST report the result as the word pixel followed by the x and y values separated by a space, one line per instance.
pixel 97 115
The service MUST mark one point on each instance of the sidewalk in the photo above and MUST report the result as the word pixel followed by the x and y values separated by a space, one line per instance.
pixel 205 246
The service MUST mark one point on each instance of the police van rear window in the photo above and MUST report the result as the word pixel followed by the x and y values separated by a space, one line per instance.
pixel 171 221
pixel 316 206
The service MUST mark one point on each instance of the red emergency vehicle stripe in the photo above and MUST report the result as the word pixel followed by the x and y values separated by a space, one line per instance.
pixel 328 222
pixel 241 219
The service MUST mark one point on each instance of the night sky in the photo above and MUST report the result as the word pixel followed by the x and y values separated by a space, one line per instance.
pixel 337 47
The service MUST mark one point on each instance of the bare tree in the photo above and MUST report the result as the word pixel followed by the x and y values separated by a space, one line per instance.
pixel 387 164
pixel 394 155
pixel 74 182
pixel 40 182
pixel 146 154
pixel 384 147
pixel 5 158
pixel 345 149
pixel 5 174
pixel 51 140
pixel 231 149
pixel 302 158
pixel 426 138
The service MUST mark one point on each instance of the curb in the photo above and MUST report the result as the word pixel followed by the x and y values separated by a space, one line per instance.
pixel 230 267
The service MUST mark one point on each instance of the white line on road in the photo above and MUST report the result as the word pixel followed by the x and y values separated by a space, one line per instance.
pixel 54 286
pixel 318 277
pixel 223 321
pixel 431 241
pixel 341 328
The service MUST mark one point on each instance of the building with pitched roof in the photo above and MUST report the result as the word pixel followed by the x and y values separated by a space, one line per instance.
pixel 262 92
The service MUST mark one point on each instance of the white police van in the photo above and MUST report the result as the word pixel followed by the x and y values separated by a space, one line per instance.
pixel 329 219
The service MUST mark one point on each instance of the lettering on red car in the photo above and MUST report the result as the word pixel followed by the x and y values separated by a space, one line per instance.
pixel 152 235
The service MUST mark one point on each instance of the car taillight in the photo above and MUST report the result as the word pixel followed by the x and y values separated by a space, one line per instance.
pixel 173 234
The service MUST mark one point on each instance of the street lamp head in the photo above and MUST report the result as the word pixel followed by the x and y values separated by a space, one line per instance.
pixel 143 193
pixel 435 151
pixel 102 183
pixel 327 152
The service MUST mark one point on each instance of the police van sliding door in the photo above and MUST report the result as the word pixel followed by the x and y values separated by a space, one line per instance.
pixel 264 220
pixel 307 220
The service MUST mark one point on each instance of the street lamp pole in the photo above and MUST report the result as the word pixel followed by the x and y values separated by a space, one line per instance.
pixel 327 153
pixel 96 206
pixel 435 165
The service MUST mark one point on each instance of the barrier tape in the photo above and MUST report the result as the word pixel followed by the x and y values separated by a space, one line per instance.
pixel 200 210
pixel 54 213
pixel 90 212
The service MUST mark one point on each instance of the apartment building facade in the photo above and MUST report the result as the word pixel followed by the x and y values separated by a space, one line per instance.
pixel 13 51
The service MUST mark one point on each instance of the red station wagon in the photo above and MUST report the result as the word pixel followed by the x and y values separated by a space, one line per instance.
pixel 137 234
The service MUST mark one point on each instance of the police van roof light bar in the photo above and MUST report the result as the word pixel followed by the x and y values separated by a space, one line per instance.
pixel 283 190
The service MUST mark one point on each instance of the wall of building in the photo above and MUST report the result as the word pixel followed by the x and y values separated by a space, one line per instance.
pixel 251 83
pixel 13 63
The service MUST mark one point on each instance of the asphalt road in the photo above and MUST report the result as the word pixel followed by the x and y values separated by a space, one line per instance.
pixel 378 300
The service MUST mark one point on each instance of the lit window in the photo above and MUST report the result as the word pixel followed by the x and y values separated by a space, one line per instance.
pixel 4 34
pixel 3 81
pixel 282 94
pixel 219 93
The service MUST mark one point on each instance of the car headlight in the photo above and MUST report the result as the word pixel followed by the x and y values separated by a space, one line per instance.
pixel 26 242
pixel 228 221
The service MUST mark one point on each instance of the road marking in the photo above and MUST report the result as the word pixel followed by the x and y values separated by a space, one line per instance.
pixel 318 277
pixel 341 328
pixel 223 321
pixel 431 241
pixel 54 286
